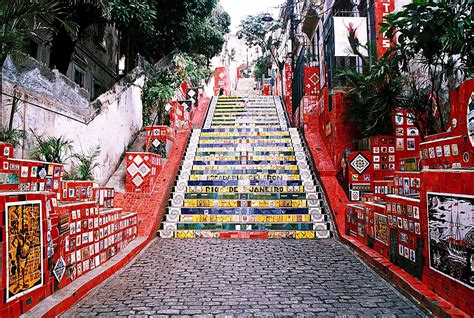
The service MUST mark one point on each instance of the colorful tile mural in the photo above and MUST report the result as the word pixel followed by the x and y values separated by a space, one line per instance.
pixel 451 235
pixel 245 174
pixel 24 247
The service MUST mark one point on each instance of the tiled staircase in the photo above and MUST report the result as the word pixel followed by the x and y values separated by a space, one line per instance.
pixel 246 175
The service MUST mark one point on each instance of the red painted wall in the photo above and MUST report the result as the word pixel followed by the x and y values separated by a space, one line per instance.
pixel 222 80
pixel 453 182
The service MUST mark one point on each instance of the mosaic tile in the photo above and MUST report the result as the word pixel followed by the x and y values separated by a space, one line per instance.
pixel 245 172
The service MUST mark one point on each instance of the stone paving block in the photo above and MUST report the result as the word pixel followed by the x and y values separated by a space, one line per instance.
pixel 246 277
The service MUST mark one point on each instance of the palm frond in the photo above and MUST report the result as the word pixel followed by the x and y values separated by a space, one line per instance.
pixel 50 149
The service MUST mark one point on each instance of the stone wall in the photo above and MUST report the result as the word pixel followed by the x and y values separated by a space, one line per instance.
pixel 52 105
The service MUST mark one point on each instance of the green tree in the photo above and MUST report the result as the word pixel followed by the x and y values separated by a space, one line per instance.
pixel 256 32
pixel 135 19
pixel 205 38
pixel 191 26
pixel 372 96
pixel 435 37
pixel 159 89
pixel 261 65
pixel 84 14
pixel 191 67
pixel 20 19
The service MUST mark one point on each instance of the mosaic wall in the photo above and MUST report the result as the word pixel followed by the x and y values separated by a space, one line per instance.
pixel 24 247
pixel 451 236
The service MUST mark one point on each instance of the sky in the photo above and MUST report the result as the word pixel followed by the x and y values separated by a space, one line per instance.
pixel 240 8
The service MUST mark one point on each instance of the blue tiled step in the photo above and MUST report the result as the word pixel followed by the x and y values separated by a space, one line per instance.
pixel 247 196
pixel 243 161
pixel 244 172
pixel 257 131
pixel 250 145
pixel 246 149
pixel 246 226
pixel 216 218
pixel 231 124
pixel 223 157
pixel 250 153
pixel 253 131
pixel 239 139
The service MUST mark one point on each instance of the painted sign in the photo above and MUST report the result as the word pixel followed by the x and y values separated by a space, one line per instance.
pixel 451 228
pixel 350 36
pixel 24 257
pixel 382 8
pixel 381 228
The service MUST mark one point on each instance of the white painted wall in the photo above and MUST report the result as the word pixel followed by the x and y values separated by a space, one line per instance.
pixel 112 128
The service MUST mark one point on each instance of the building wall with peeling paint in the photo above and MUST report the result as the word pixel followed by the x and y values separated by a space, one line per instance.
pixel 52 105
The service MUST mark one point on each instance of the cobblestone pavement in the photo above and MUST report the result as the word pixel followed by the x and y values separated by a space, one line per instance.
pixel 245 278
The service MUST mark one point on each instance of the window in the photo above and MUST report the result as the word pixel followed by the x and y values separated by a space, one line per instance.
pixel 32 49
pixel 79 76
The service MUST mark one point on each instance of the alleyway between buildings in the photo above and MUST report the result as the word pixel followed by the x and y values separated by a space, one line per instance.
pixel 245 277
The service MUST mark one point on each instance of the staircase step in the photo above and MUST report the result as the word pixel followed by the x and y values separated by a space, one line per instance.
pixel 176 218
pixel 246 175
pixel 246 234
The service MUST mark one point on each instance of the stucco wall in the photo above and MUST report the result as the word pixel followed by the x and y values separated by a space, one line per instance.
pixel 54 106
